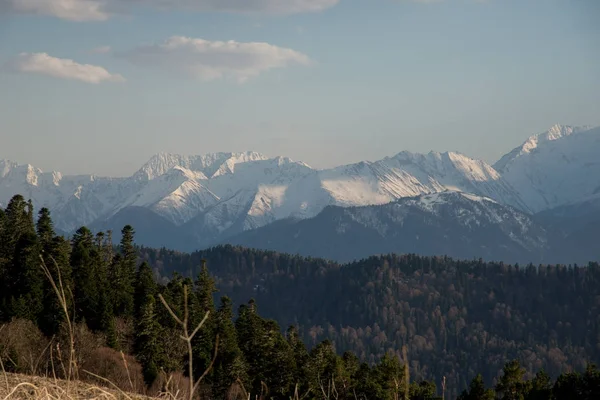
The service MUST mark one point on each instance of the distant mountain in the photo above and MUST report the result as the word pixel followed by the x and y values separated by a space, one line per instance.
pixel 226 193
pixel 193 202
pixel 554 168
pixel 449 223
pixel 578 225
pixel 151 229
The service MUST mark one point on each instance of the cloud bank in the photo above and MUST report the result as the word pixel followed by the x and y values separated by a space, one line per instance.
pixel 44 64
pixel 100 10
pixel 209 60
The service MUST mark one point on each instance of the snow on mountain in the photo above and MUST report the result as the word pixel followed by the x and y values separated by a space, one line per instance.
pixel 554 168
pixel 231 192
pixel 408 174
pixel 225 193
pixel 208 164
pixel 452 223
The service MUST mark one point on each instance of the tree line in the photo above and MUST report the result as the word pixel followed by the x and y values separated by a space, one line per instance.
pixel 325 353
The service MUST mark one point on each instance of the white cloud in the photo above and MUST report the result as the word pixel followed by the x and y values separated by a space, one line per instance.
pixel 101 50
pixel 73 10
pixel 208 60
pixel 99 10
pixel 44 64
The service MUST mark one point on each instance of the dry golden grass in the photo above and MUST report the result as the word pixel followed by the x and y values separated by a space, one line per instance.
pixel 16 386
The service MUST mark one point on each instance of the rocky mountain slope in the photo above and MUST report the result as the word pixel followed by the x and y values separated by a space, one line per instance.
pixel 457 224
pixel 241 191
pixel 196 201
pixel 555 168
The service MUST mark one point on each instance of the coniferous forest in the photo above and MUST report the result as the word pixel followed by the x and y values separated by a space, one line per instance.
pixel 282 326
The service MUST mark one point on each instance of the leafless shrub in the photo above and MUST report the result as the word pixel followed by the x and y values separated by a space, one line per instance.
pixel 123 371
pixel 23 347
pixel 170 386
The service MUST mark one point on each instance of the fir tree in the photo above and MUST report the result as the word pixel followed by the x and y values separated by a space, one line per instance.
pixel 541 387
pixel 204 342
pixel 124 274
pixel 27 279
pixel 147 346
pixel 230 364
pixel 511 385
pixel 477 391
pixel 145 286
pixel 85 273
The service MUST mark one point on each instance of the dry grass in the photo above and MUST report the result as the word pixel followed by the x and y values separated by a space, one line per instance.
pixel 16 386
pixel 73 364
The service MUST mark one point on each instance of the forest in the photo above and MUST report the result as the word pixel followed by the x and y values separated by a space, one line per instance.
pixel 388 327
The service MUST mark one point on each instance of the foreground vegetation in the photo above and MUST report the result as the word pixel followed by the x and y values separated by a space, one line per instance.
pixel 125 327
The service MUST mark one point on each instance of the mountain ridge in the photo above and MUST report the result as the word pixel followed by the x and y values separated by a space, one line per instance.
pixel 217 195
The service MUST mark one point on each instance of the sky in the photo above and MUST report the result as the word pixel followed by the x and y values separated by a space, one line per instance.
pixel 99 86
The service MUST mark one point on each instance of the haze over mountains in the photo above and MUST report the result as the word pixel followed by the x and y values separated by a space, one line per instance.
pixel 190 202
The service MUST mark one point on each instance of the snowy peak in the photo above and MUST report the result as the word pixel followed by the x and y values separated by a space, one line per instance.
pixel 556 132
pixel 209 164
pixel 558 167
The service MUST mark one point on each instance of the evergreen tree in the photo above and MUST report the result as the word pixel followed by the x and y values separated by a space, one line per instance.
pixel 477 391
pixel 15 224
pixel 569 386
pixel 230 364
pixel 55 252
pixel 45 229
pixel 204 341
pixel 145 286
pixel 87 302
pixel 423 390
pixel 147 346
pixel 541 387
pixel 388 378
pixel 27 279
pixel 300 357
pixel 322 368
pixel 591 382
pixel 250 332
pixel 124 273
pixel 511 385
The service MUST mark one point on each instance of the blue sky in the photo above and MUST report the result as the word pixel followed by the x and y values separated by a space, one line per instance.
pixel 322 81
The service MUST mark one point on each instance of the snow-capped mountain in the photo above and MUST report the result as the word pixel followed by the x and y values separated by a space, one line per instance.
pixel 451 223
pixel 207 198
pixel 230 192
pixel 554 168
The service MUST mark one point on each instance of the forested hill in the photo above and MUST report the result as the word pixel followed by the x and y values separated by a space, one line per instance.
pixel 458 318
pixel 455 318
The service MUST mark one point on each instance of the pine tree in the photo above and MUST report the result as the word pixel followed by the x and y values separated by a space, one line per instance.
pixel 230 364
pixel 423 390
pixel 27 279
pixel 250 332
pixel 204 341
pixel 145 286
pixel 55 255
pixel 300 357
pixel 477 391
pixel 124 274
pixel 541 387
pixel 147 346
pixel 511 385
pixel 45 229
pixel 86 292
pixel 389 377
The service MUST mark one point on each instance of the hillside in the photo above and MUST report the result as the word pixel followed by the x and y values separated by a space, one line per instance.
pixel 452 223
pixel 359 324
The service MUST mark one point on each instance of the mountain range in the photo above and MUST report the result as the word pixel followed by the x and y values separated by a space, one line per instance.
pixel 519 209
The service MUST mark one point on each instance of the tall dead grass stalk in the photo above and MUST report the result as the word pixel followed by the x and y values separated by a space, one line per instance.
pixel 188 337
